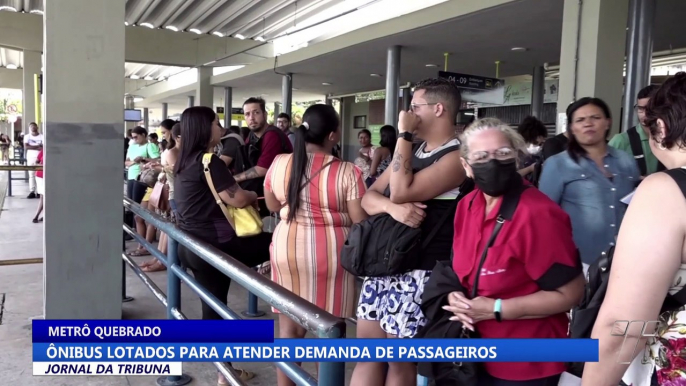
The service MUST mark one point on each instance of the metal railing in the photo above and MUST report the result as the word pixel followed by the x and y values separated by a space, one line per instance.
pixel 306 314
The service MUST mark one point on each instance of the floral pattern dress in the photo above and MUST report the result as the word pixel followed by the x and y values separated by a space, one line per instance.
pixel 666 353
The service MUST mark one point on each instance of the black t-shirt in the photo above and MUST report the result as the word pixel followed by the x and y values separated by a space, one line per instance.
pixel 554 145
pixel 198 212
pixel 230 148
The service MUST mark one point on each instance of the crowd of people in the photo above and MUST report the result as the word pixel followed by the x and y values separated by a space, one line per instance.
pixel 514 219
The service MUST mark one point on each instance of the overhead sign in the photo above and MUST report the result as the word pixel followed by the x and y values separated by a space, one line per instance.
pixel 520 93
pixel 477 89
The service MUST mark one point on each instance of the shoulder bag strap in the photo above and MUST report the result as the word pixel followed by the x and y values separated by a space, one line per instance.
pixel 312 176
pixel 637 150
pixel 507 209
pixel 206 159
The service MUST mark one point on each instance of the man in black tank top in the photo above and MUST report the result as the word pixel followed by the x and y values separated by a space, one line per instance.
pixel 419 189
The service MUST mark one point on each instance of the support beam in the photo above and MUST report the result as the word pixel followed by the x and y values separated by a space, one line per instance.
pixel 165 110
pixel 392 86
pixel 592 55
pixel 23 31
pixel 639 50
pixel 84 68
pixel 204 92
pixel 277 109
pixel 146 119
pixel 191 101
pixel 228 103
pixel 407 98
pixel 33 62
pixel 328 100
pixel 538 92
pixel 287 93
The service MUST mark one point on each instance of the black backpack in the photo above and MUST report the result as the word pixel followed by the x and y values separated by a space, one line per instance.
pixel 382 246
pixel 583 316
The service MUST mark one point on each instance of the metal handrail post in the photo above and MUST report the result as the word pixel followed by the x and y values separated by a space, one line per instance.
pixel 252 311
pixel 173 302
pixel 332 373
pixel 9 183
pixel 124 298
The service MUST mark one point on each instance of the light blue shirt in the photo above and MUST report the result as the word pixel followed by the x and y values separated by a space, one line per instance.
pixel 592 200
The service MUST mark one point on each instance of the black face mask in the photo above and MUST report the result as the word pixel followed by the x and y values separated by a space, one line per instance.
pixel 495 177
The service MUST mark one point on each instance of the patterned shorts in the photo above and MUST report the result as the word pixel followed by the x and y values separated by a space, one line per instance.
pixel 394 301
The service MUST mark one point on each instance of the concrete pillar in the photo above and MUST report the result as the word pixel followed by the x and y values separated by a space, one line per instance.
pixel 592 54
pixel 328 100
pixel 277 109
pixel 84 82
pixel 204 91
pixel 392 85
pixel 146 119
pixel 287 93
pixel 407 98
pixel 191 101
pixel 537 92
pixel 165 111
pixel 639 52
pixel 228 103
pixel 32 64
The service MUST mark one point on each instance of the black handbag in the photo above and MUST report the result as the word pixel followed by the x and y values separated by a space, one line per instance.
pixel 382 246
pixel 467 373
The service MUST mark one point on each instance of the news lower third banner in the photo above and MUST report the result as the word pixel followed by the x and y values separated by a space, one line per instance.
pixel 160 347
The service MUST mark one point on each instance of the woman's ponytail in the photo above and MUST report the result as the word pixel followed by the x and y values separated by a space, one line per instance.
pixel 297 171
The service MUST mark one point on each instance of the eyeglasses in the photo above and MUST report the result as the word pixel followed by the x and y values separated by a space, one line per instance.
pixel 415 106
pixel 640 109
pixel 502 154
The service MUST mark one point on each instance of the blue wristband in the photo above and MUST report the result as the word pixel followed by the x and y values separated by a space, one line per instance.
pixel 497 308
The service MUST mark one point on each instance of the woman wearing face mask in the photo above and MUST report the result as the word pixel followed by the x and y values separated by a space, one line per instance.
pixel 590 179
pixel 534 133
pixel 531 275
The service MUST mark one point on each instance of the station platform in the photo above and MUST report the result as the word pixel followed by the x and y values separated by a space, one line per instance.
pixel 21 300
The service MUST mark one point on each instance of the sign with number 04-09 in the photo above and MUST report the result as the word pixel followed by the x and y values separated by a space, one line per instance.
pixel 630 331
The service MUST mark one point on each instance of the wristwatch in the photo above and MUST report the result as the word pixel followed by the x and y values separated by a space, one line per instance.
pixel 406 136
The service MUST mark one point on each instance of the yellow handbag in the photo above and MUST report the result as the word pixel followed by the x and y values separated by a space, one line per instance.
pixel 245 221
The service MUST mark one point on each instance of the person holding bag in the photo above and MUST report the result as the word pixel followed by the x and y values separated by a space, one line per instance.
pixel 202 216
pixel 514 255
pixel 417 190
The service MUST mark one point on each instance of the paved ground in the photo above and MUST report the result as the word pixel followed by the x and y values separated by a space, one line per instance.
pixel 22 288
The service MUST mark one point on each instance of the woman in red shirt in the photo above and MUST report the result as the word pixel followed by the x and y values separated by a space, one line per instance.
pixel 532 273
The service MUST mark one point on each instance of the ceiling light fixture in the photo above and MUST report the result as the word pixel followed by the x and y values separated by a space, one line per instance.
pixel 259 39
pixel 137 99
pixel 36 11
pixel 432 65
pixel 7 8
pixel 172 28
pixel 518 49
pixel 326 84
pixel 149 78
pixel 239 36
pixel 148 25
pixel 195 31
pixel 375 75
pixel 217 33
pixel 126 23
pixel 11 66
pixel 134 76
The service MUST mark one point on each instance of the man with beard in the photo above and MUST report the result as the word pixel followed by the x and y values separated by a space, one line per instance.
pixel 264 143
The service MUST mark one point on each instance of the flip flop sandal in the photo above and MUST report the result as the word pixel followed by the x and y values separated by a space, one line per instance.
pixel 139 252
pixel 155 267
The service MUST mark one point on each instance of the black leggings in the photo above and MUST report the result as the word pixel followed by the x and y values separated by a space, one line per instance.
pixel 251 251
pixel 135 190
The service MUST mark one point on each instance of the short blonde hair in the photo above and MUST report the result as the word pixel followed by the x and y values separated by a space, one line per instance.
pixel 516 141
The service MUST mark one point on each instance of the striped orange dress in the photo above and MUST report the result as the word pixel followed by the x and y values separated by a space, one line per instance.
pixel 305 253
